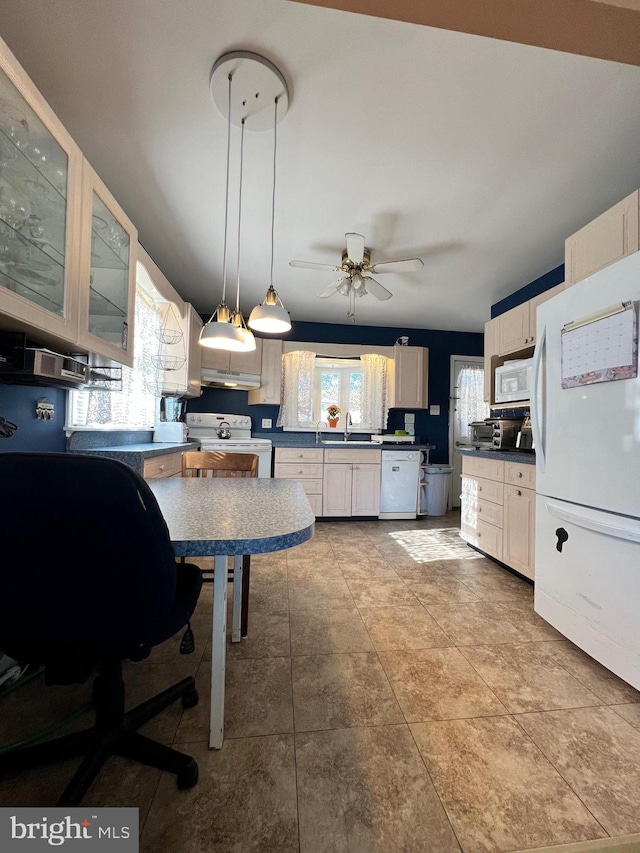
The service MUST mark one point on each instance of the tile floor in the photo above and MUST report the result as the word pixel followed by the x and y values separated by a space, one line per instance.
pixel 397 693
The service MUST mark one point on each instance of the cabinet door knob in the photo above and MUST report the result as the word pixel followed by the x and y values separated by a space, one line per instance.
pixel 299 470
pixel 299 455
pixel 518 492
pixel 519 473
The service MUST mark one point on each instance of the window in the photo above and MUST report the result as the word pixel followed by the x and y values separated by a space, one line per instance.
pixel 311 384
pixel 338 383
pixel 134 407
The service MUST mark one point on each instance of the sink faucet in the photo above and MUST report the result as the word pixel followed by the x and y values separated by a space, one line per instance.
pixel 347 423
pixel 318 425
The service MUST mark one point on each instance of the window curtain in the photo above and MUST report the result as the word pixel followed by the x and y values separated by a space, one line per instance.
pixel 375 395
pixel 296 402
pixel 470 405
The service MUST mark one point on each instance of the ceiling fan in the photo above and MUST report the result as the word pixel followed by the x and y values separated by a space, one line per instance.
pixel 355 279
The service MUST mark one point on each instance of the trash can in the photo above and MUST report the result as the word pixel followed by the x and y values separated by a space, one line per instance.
pixel 434 491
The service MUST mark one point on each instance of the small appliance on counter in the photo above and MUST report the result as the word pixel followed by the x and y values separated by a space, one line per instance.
pixel 524 439
pixel 495 433
pixel 170 432
pixel 394 438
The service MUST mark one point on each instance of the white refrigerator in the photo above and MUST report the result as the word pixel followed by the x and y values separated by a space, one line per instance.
pixel 587 440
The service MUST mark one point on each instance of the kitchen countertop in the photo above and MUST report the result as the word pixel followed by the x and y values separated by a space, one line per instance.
pixel 135 454
pixel 521 456
pixel 300 441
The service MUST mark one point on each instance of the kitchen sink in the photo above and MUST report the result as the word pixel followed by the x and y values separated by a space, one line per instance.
pixel 354 441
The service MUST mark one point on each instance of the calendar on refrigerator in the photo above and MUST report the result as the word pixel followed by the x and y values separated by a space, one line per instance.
pixel 602 347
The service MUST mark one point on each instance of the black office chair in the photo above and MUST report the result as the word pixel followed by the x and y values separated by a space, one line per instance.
pixel 88 578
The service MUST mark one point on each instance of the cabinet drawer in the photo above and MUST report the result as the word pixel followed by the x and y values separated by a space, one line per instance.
pixel 312 487
pixel 168 465
pixel 486 490
pixel 520 475
pixel 299 454
pixel 489 469
pixel 486 537
pixel 291 471
pixel 316 504
pixel 355 455
pixel 474 510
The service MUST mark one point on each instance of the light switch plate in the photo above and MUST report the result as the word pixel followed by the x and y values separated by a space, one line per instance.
pixel 434 410
pixel 266 423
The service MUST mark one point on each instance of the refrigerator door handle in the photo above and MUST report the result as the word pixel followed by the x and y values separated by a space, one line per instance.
pixel 538 413
pixel 630 531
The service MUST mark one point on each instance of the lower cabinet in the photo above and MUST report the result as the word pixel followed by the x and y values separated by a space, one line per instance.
pixel 338 483
pixel 350 489
pixel 498 510
pixel 167 465
pixel 519 529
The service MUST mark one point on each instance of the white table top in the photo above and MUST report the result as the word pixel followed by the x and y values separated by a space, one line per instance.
pixel 208 516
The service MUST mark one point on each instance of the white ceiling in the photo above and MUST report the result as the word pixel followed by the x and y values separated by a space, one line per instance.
pixel 478 155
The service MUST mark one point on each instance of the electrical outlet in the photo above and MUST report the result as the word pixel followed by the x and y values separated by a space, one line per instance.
pixel 434 410
pixel 266 423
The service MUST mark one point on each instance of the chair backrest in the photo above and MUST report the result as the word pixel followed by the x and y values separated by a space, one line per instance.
pixel 215 463
pixel 86 564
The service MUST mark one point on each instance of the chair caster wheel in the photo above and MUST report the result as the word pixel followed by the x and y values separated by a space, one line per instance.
pixel 188 776
pixel 190 699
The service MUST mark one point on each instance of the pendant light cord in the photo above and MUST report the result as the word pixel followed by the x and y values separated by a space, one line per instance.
pixel 239 216
pixel 273 194
pixel 226 201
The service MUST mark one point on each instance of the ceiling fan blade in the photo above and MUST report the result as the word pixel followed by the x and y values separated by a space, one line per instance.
pixel 407 265
pixel 355 247
pixel 311 265
pixel 329 291
pixel 376 289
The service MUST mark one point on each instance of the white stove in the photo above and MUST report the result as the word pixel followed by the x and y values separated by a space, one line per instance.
pixel 204 426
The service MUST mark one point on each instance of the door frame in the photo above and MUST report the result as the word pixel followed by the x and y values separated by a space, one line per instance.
pixel 470 359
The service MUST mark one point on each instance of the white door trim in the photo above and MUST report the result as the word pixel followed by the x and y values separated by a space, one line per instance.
pixel 469 359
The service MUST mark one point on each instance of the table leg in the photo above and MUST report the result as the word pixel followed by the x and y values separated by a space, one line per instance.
pixel 218 652
pixel 238 566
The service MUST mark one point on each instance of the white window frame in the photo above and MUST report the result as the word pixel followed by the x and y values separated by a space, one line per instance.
pixel 74 398
pixel 344 367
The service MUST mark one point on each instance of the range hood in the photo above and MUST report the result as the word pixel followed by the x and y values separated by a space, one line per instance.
pixel 230 379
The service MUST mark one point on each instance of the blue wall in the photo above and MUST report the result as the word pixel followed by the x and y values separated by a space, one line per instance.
pixel 546 281
pixel 441 345
pixel 18 404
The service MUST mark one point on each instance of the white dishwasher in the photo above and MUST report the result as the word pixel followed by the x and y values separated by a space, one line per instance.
pixel 399 476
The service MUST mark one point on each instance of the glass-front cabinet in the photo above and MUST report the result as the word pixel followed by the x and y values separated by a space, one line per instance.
pixel 107 273
pixel 40 196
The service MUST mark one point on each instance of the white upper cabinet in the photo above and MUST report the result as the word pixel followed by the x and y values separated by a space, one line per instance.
pixel 410 372
pixel 67 250
pixel 107 273
pixel 270 374
pixel 239 362
pixel 613 235
pixel 40 208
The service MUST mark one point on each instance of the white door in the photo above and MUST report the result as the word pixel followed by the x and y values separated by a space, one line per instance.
pixel 365 489
pixel 465 405
pixel 336 490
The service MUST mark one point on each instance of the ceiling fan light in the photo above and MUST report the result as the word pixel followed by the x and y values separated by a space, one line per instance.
pixel 222 335
pixel 344 287
pixel 357 282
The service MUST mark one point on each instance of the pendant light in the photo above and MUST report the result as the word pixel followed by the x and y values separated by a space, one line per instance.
pixel 237 320
pixel 257 84
pixel 271 317
pixel 219 332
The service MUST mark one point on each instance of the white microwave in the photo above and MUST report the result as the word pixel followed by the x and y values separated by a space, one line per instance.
pixel 513 381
